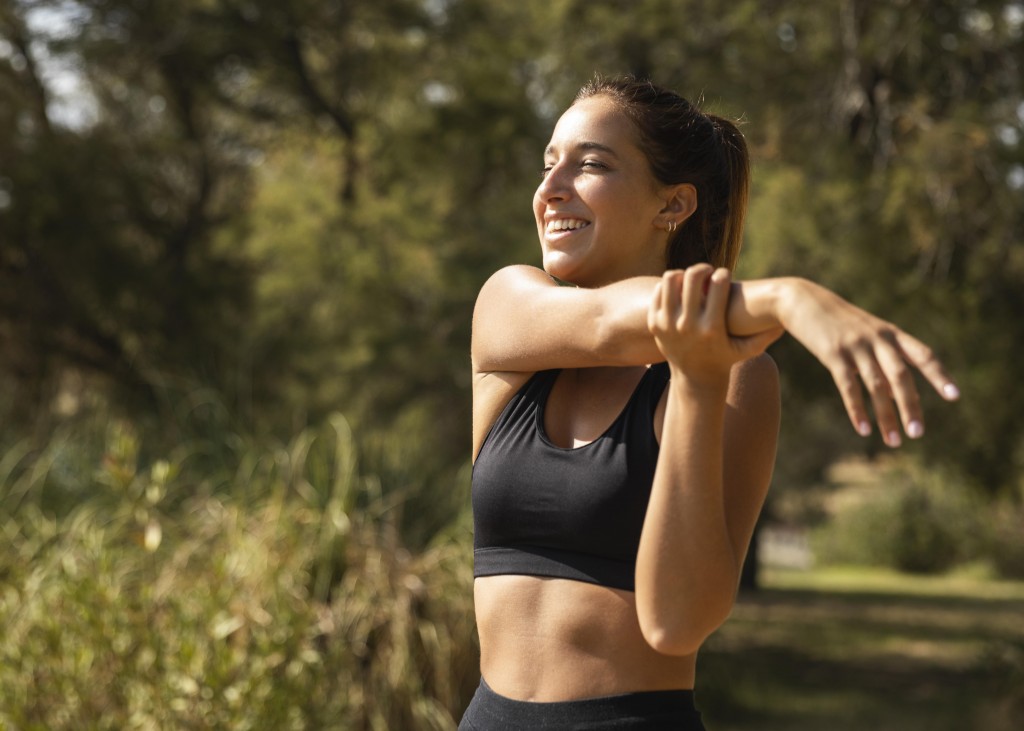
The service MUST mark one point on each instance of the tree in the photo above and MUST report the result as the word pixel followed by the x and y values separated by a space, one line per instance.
pixel 290 205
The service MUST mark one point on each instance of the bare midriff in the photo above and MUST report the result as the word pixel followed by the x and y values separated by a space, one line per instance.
pixel 547 640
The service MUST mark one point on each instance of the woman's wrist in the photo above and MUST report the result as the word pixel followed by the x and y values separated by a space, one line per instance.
pixel 701 390
pixel 784 298
pixel 757 305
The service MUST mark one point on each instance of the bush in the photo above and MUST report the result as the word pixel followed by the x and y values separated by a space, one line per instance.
pixel 923 536
pixel 917 521
pixel 286 601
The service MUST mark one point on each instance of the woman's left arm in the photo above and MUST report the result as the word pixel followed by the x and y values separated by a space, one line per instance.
pixel 722 401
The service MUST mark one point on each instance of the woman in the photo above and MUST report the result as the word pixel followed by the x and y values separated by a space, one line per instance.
pixel 625 428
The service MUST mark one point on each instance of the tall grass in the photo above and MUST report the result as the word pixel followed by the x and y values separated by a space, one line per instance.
pixel 277 594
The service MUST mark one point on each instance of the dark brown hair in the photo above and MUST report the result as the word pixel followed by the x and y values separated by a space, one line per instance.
pixel 685 145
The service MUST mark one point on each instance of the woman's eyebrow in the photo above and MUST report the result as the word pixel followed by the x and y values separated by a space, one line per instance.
pixel 550 150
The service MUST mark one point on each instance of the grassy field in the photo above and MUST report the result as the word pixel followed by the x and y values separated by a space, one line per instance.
pixel 835 649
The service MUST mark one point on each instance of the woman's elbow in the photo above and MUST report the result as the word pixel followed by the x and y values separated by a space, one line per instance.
pixel 609 344
pixel 682 637
pixel 678 644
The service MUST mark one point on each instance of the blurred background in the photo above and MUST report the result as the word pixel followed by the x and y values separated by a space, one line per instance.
pixel 239 245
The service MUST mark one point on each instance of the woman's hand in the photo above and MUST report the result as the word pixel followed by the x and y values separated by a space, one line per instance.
pixel 687 318
pixel 859 348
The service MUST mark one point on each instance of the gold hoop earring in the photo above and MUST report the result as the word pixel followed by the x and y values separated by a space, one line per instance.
pixel 672 226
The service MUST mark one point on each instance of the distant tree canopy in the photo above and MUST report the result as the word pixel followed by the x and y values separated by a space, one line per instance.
pixel 290 204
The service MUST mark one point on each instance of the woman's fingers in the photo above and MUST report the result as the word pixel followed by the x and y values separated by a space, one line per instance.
pixel 882 396
pixel 883 366
pixel 695 279
pixel 923 358
pixel 686 298
pixel 717 290
pixel 852 393
pixel 665 303
pixel 671 291
pixel 688 320
pixel 903 389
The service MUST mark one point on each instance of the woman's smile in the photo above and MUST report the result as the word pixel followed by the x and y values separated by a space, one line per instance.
pixel 566 224
pixel 558 228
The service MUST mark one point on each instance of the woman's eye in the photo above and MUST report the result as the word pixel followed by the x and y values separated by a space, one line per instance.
pixel 586 165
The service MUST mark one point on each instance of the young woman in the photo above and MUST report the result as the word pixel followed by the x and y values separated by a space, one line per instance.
pixel 625 428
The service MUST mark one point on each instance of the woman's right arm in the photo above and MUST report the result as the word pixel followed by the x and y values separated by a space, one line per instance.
pixel 524 321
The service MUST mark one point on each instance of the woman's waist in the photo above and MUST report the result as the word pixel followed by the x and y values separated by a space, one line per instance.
pixel 549 639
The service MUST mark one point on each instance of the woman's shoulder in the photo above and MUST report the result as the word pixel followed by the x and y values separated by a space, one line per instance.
pixel 513 281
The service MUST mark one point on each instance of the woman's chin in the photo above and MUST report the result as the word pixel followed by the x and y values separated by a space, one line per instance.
pixel 560 267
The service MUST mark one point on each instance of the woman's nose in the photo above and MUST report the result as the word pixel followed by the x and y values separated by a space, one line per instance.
pixel 554 185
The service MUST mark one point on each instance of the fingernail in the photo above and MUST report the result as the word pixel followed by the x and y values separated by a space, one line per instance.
pixel 915 429
pixel 864 429
pixel 893 439
pixel 951 392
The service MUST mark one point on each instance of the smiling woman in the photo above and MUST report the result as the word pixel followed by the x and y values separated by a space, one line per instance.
pixel 625 428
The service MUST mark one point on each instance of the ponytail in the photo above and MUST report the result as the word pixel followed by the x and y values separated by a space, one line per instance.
pixel 737 184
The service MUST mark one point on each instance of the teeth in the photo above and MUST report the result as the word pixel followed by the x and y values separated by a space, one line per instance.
pixel 566 224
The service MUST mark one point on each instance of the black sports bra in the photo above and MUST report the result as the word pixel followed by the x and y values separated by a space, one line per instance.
pixel 544 510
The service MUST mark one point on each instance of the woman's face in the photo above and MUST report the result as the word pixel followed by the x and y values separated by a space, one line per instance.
pixel 600 211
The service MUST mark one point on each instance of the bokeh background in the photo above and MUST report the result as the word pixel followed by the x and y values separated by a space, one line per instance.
pixel 239 246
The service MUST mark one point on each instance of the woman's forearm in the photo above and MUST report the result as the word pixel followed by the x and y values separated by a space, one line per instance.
pixel 721 401
pixel 757 305
pixel 687 569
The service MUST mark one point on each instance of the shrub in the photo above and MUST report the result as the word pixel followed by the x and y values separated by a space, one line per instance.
pixel 916 521
pixel 285 601
pixel 923 536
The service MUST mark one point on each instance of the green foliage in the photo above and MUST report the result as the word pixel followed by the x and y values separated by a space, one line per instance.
pixel 921 520
pixel 288 602
pixel 291 205
pixel 922 542
pixel 1006 539
pixel 915 520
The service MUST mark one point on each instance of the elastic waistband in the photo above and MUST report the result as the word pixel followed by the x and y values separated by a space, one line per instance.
pixel 647 710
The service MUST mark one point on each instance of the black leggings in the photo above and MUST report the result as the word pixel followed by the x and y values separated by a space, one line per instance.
pixel 656 710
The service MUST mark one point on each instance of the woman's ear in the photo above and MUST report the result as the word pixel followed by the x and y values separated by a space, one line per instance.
pixel 680 203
